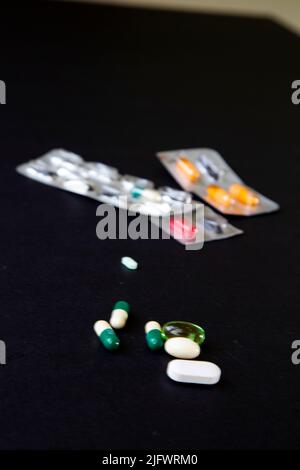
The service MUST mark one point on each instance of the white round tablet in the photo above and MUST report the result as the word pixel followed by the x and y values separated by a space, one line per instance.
pixel 195 372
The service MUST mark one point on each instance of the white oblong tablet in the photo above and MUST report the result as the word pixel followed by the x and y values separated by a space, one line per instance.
pixel 183 348
pixel 195 372
pixel 76 186
pixel 129 263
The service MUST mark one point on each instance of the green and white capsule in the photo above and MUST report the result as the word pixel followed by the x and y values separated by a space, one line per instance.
pixel 119 314
pixel 106 335
pixel 153 335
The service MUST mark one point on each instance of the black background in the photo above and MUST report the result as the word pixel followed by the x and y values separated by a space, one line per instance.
pixel 116 85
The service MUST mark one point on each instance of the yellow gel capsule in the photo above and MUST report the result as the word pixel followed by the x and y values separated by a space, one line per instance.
pixel 244 195
pixel 219 195
pixel 188 169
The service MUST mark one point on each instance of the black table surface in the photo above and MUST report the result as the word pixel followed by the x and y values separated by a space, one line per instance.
pixel 115 85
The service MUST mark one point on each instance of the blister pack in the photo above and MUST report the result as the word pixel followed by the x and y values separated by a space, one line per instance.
pixel 205 173
pixel 68 171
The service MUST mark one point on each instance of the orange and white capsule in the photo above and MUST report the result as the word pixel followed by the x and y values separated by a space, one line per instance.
pixel 189 170
pixel 219 195
pixel 243 194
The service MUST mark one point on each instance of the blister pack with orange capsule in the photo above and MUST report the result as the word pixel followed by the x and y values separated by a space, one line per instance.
pixel 205 173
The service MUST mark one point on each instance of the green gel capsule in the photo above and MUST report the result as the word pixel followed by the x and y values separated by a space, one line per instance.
pixel 183 329
pixel 153 335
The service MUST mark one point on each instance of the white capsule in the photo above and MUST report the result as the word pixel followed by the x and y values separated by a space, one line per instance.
pixel 151 194
pixel 66 173
pixel 183 348
pixel 76 186
pixel 129 263
pixel 152 208
pixel 118 318
pixel 60 157
pixel 40 173
pixel 196 372
pixel 163 207
pixel 100 326
pixel 152 325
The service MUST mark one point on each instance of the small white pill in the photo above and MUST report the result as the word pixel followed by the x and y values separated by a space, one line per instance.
pixel 183 348
pixel 59 157
pixel 151 195
pixel 152 325
pixel 66 173
pixel 129 263
pixel 100 326
pixel 76 186
pixel 40 174
pixel 196 372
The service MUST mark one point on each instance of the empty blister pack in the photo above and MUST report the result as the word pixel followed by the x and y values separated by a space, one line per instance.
pixel 205 173
pixel 68 171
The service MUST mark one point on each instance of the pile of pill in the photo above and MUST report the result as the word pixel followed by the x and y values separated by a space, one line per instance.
pixel 182 340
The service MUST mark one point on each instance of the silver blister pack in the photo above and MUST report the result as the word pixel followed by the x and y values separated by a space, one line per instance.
pixel 68 171
pixel 205 173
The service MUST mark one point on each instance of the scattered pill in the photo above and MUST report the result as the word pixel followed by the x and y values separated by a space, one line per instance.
pixel 119 314
pixel 188 169
pixel 129 263
pixel 219 195
pixel 244 195
pixel 196 372
pixel 183 348
pixel 153 335
pixel 106 335
pixel 183 329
